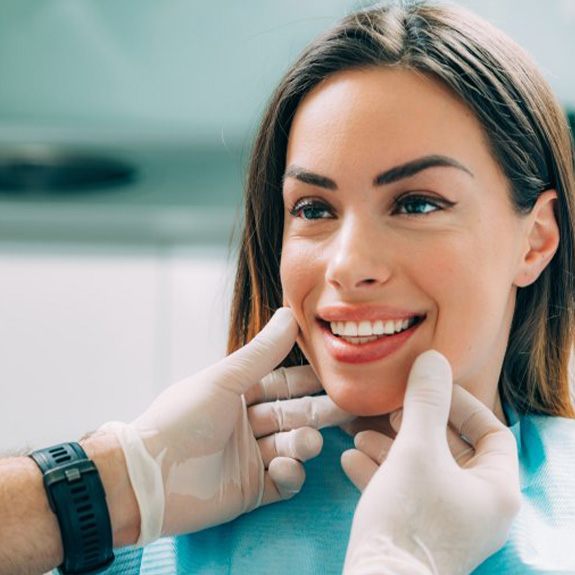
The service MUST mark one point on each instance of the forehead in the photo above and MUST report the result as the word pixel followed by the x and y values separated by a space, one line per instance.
pixel 383 115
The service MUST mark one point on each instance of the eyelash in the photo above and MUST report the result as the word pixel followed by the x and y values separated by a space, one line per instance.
pixel 401 201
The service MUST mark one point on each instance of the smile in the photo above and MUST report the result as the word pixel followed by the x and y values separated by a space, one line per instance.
pixel 366 331
pixel 366 341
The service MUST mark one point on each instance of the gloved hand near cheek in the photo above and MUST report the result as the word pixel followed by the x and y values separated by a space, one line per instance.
pixel 192 456
pixel 421 512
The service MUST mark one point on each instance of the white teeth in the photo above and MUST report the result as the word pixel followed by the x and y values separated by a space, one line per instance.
pixel 362 329
pixel 350 328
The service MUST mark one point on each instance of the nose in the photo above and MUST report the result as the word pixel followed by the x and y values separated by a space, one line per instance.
pixel 359 258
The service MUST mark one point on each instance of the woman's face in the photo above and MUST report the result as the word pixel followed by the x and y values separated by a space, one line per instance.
pixel 397 220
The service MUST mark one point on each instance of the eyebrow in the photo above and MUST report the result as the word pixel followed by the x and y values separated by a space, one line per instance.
pixel 388 177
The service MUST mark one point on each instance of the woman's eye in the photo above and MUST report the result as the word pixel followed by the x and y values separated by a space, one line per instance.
pixel 417 205
pixel 310 210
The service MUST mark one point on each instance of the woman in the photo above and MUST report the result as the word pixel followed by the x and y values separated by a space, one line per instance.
pixel 411 187
pixel 476 252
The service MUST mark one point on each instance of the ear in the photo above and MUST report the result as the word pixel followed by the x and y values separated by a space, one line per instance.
pixel 542 239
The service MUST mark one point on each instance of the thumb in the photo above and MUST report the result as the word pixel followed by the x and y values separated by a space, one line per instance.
pixel 247 365
pixel 428 396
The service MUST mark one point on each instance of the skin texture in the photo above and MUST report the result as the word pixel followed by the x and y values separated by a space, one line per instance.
pixel 458 260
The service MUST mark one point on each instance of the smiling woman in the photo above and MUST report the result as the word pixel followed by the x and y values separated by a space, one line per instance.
pixel 418 161
pixel 411 187
pixel 404 245
pixel 409 224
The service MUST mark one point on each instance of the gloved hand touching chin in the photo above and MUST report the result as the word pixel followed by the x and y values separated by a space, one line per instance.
pixel 199 456
pixel 422 511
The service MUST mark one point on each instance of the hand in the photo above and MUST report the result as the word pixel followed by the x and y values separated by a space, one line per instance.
pixel 282 401
pixel 420 505
pixel 193 458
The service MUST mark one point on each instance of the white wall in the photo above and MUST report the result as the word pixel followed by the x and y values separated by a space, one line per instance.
pixel 89 334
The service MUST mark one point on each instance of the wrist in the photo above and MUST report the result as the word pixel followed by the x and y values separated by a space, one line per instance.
pixel 379 554
pixel 105 451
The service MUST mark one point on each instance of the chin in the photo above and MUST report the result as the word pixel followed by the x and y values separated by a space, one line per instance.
pixel 365 400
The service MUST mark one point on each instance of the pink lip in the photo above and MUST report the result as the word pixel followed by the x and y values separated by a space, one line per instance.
pixel 344 312
pixel 345 352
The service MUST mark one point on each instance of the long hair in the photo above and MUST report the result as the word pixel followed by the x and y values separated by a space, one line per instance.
pixel 528 136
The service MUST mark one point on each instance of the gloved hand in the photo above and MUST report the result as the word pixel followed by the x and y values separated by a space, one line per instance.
pixel 421 512
pixel 194 459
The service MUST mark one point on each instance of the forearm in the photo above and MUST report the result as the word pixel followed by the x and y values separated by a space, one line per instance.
pixel 29 535
pixel 30 540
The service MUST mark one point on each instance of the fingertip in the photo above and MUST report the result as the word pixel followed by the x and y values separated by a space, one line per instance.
pixel 347 458
pixel 313 441
pixel 284 317
pixel 358 467
pixel 306 443
pixel 428 395
pixel 246 366
pixel 288 476
pixel 432 363
pixel 360 439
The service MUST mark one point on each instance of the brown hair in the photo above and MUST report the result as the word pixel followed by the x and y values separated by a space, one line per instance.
pixel 529 138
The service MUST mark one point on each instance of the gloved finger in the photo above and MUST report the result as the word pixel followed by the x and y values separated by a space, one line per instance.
pixel 395 419
pixel 427 397
pixel 374 444
pixel 246 366
pixel 284 478
pixel 310 411
pixel 284 383
pixel 358 467
pixel 301 444
pixel 460 449
pixel 494 444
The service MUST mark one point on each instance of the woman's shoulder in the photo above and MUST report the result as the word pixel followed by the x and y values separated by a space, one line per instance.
pixel 552 427
pixel 546 448
pixel 535 423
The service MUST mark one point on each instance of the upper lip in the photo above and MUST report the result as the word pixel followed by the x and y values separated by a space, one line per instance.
pixel 346 312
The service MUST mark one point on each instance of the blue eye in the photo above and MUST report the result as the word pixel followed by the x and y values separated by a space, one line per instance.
pixel 411 205
pixel 416 205
pixel 309 210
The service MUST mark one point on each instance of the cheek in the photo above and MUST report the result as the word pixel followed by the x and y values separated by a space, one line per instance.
pixel 300 272
pixel 472 288
pixel 290 274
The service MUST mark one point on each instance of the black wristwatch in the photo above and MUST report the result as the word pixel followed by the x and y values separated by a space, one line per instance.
pixel 78 499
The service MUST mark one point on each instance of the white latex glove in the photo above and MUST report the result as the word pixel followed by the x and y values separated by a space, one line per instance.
pixel 193 458
pixel 421 512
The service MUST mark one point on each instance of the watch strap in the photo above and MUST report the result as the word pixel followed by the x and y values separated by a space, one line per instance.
pixel 77 497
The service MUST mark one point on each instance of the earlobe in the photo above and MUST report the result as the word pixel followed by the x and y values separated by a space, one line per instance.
pixel 542 237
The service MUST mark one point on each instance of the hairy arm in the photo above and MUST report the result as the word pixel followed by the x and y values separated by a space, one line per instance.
pixel 30 540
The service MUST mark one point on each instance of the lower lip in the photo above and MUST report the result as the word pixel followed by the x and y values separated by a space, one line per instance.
pixel 346 352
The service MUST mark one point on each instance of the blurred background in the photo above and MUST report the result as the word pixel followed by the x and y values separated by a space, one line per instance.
pixel 125 128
